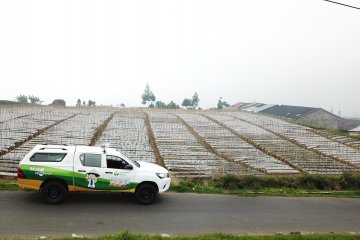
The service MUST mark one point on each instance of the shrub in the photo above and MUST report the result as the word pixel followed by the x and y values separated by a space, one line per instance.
pixel 251 182
pixel 315 182
pixel 228 181
pixel 347 181
pixel 183 186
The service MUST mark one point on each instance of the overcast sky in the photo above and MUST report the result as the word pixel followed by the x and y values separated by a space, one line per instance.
pixel 298 52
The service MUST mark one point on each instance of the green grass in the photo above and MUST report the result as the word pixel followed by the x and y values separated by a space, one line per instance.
pixel 218 236
pixel 185 186
pixel 346 181
pixel 222 236
pixel 346 185
pixel 9 185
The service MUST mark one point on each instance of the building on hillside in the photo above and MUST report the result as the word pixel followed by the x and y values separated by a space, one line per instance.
pixel 252 107
pixel 58 102
pixel 349 123
pixel 355 131
pixel 259 107
pixel 238 105
pixel 317 117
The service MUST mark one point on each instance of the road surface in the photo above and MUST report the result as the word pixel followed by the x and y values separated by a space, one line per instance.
pixel 24 214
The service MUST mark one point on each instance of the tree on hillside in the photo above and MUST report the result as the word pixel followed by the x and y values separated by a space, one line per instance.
pixel 91 103
pixel 186 103
pixel 148 96
pixel 191 103
pixel 172 105
pixel 160 104
pixel 22 98
pixel 78 103
pixel 221 104
pixel 34 99
pixel 195 100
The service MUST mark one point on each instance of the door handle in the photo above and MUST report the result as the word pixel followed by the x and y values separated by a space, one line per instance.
pixel 81 171
pixel 109 172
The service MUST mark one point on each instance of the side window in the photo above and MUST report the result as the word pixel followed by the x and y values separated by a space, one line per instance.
pixel 47 157
pixel 90 159
pixel 115 162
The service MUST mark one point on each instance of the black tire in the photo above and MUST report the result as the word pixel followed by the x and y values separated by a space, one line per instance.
pixel 146 194
pixel 53 192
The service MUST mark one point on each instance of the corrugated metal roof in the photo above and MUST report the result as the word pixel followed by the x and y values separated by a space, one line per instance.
pixel 253 106
pixel 348 123
pixel 239 104
pixel 294 112
pixel 259 107
pixel 357 129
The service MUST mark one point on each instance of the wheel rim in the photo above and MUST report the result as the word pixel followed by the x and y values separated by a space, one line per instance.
pixel 53 192
pixel 147 194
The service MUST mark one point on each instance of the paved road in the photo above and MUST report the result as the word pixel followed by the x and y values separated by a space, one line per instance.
pixel 23 213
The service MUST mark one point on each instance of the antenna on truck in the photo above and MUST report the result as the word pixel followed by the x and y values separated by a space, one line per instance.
pixel 104 146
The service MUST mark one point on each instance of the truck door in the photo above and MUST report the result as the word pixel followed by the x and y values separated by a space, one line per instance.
pixel 89 170
pixel 119 173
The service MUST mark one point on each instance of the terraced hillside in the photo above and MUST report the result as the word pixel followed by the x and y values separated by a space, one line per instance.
pixel 188 143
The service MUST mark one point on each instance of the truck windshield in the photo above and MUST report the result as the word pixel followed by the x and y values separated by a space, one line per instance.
pixel 134 162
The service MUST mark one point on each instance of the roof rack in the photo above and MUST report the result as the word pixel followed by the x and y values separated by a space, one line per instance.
pixel 53 148
pixel 55 144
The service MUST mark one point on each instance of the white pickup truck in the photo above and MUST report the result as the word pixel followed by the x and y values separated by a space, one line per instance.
pixel 56 169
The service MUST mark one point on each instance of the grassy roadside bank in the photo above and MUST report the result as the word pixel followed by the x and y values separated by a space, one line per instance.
pixel 213 236
pixel 222 236
pixel 10 185
pixel 210 236
pixel 284 192
pixel 346 185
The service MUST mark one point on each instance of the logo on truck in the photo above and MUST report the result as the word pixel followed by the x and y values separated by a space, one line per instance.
pixel 39 171
pixel 91 177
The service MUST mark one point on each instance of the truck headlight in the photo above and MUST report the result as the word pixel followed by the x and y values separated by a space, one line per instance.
pixel 162 175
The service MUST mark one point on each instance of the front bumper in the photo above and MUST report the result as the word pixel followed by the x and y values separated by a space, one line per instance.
pixel 164 184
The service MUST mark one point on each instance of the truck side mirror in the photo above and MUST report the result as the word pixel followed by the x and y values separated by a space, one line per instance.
pixel 128 167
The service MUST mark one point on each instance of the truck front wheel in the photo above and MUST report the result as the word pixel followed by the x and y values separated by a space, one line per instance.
pixel 146 193
pixel 53 192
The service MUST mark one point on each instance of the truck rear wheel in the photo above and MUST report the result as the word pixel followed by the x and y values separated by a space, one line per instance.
pixel 53 192
pixel 146 193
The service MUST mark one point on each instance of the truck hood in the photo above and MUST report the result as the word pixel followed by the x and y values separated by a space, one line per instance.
pixel 151 167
